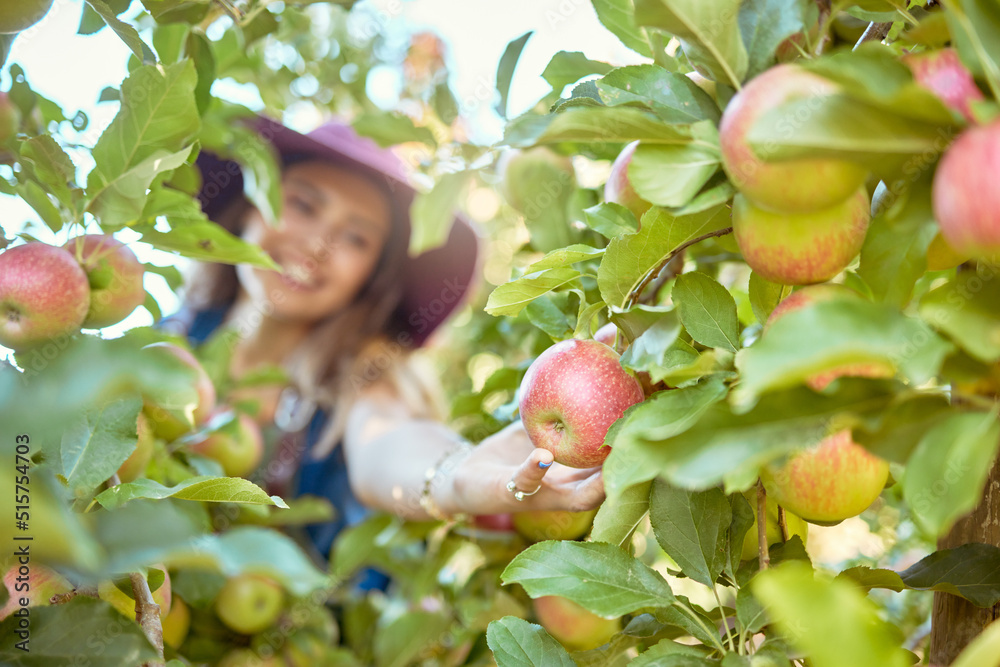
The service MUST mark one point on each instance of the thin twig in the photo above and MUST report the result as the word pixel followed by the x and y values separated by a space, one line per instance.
pixel 765 557
pixel 147 614
pixel 670 271
pixel 783 524
pixel 634 295
pixel 725 619
pixel 234 12
pixel 874 31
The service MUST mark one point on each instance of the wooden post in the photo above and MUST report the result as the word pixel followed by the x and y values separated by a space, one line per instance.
pixel 955 622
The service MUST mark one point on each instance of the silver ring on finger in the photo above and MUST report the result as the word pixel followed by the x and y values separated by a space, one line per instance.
pixel 518 494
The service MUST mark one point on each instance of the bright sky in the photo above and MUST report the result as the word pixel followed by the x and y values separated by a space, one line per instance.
pixel 476 33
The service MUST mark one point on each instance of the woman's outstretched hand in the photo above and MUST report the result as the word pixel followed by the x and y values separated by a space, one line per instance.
pixel 479 481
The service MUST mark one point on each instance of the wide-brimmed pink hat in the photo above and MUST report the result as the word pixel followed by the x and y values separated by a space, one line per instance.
pixel 434 283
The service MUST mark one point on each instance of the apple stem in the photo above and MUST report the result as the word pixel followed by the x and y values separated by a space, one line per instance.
pixel 147 614
pixel 234 12
pixel 634 295
pixel 63 598
pixel 783 524
pixel 765 557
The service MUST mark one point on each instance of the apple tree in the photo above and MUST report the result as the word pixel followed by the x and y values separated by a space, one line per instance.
pixel 806 350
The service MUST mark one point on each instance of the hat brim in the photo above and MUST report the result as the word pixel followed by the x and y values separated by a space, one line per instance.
pixel 434 283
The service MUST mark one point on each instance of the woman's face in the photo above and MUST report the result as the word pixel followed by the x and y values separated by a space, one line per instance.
pixel 334 225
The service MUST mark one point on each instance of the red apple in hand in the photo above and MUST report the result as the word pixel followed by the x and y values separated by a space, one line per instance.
pixel 44 294
pixel 237 445
pixel 964 195
pixel 619 189
pixel 802 248
pixel 571 395
pixel 793 186
pixel 837 478
pixel 115 277
pixel 942 73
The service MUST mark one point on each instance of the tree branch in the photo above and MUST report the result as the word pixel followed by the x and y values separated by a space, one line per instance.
pixel 147 614
pixel 765 557
pixel 634 295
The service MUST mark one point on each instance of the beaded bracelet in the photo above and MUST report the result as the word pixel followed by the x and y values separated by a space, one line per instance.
pixel 426 500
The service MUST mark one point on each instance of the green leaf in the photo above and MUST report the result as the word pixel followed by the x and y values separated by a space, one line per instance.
pixel 723 446
pixel 398 643
pixel 668 653
pixel 547 316
pixel 946 473
pixel 64 634
pixel 125 31
pixel 829 335
pixel 673 97
pixel 894 255
pixel 198 48
pixel 672 175
pixel 354 544
pixel 749 612
pixel 765 24
pixel 628 258
pixel 565 257
pixel 653 351
pixel 707 311
pixel 867 578
pixel 150 135
pixel 708 31
pixel 831 621
pixel 505 70
pixel 975 30
pixel 35 196
pixel 764 296
pixel 517 643
pixel 692 528
pixel 389 128
pixel 902 425
pixel 510 298
pixel 744 518
pixel 601 577
pixel 618 518
pixel 983 651
pixel 967 309
pixel 201 489
pixel 568 67
pixel 618 16
pixel 595 124
pixel 96 445
pixel 635 451
pixel 971 571
pixel 432 213
pixel 51 166
pixel 610 220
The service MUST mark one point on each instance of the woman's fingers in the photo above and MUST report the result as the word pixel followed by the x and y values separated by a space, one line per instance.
pixel 528 477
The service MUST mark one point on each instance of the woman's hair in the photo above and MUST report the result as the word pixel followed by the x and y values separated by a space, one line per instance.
pixel 346 351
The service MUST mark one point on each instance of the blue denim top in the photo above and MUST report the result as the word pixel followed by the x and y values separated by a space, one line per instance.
pixel 325 477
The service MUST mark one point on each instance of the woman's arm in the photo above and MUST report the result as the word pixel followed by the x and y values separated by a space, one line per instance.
pixel 389 453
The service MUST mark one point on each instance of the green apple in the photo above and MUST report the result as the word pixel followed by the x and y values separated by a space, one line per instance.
pixel 44 295
pixel 792 186
pixel 795 525
pixel 176 623
pixel 573 626
pixel 539 525
pixel 245 657
pixel 802 248
pixel 135 465
pixel 169 424
pixel 250 603
pixel 115 277
pixel 238 444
